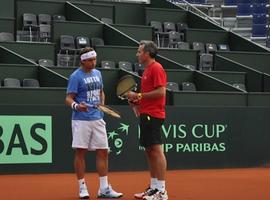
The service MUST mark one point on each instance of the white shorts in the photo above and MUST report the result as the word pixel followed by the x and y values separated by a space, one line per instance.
pixel 89 135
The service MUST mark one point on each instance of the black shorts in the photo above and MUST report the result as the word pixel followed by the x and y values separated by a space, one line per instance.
pixel 150 132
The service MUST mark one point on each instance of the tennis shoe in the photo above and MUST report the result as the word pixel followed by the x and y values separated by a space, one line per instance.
pixel 157 196
pixel 83 192
pixel 148 192
pixel 109 193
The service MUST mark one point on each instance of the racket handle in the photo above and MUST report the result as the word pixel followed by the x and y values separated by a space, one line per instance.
pixel 135 110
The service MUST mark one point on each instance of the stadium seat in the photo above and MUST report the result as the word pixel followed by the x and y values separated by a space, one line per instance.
pixel 97 41
pixel 223 47
pixel 244 9
pixel 183 45
pixel 6 37
pixel 158 30
pixel 107 64
pixel 206 62
pixel 210 48
pixel 44 32
pixel 230 2
pixel 12 82
pixel 259 30
pixel 46 62
pixel 82 42
pixel 107 20
pixel 59 18
pixel 168 26
pixel 259 18
pixel 30 23
pixel 29 82
pixel 174 38
pixel 172 86
pixel 198 46
pixel 188 86
pixel 139 68
pixel 258 8
pixel 66 56
pixel 181 28
pixel 125 65
pixel 44 19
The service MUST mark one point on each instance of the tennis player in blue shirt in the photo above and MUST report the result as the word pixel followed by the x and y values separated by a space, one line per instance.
pixel 89 133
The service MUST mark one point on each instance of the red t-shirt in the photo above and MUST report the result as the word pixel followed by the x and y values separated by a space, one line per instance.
pixel 153 77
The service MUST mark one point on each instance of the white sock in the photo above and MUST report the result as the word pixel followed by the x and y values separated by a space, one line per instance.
pixel 103 182
pixel 161 185
pixel 82 182
pixel 153 183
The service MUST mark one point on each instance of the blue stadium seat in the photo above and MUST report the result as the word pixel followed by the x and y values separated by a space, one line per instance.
pixel 259 30
pixel 259 8
pixel 244 9
pixel 259 19
pixel 230 2
pixel 244 1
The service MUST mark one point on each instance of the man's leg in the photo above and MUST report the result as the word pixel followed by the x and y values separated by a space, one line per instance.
pixel 105 190
pixel 79 165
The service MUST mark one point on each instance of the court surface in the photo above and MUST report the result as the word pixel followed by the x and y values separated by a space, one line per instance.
pixel 214 184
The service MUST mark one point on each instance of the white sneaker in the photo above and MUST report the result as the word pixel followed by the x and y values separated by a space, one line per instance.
pixel 147 192
pixel 83 192
pixel 109 193
pixel 157 196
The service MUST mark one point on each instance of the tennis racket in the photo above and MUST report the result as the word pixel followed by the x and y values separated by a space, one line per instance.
pixel 125 84
pixel 106 109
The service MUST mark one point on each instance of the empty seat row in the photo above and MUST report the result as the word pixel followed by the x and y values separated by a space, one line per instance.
pixel 163 30
pixel 126 65
pixel 69 42
pixel 203 48
pixel 15 83
pixel 184 86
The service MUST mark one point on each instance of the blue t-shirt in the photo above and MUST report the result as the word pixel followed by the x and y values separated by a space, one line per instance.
pixel 87 87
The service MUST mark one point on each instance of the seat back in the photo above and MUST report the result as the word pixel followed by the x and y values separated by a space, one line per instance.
pixel 206 62
pixel 107 64
pixel 29 82
pixel 168 26
pixel 172 86
pixel 183 45
pixel 44 32
pixel 96 41
pixel 82 42
pixel 67 42
pixel 59 18
pixel 157 26
pixel 259 18
pixel 44 19
pixel 188 86
pixel 259 30
pixel 6 37
pixel 210 48
pixel 223 47
pixel 46 62
pixel 29 20
pixel 198 46
pixel 12 82
pixel 174 38
pixel 125 65
pixel 244 9
pixel 230 2
pixel 181 27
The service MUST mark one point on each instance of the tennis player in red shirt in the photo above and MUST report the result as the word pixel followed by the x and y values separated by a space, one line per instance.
pixel 151 101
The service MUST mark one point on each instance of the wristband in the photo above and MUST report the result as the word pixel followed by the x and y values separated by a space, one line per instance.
pixel 139 95
pixel 74 105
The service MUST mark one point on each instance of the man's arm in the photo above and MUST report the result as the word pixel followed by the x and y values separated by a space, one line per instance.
pixel 156 93
pixel 74 105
